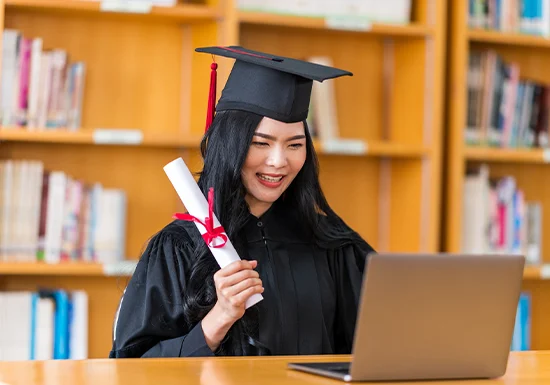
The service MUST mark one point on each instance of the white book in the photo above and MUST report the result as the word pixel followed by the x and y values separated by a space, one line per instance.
pixel 323 102
pixel 390 11
pixel 54 217
pixel 110 226
pixel 250 5
pixel 44 329
pixel 44 89
pixel 17 334
pixel 34 82
pixel 7 207
pixel 36 205
pixel 475 212
pixel 10 43
pixel 79 326
pixel 3 325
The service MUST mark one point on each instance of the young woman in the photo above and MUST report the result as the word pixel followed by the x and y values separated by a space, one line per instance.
pixel 295 251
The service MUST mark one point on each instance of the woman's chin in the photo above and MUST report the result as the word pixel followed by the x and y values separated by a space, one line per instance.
pixel 267 197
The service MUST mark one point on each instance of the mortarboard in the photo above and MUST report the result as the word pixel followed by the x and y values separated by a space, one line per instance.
pixel 274 86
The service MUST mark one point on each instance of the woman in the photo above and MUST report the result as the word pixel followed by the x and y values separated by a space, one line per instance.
pixel 303 259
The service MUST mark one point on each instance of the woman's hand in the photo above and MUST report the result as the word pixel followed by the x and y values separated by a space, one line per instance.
pixel 235 283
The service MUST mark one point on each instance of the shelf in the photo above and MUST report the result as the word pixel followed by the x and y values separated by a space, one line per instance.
pixel 541 272
pixel 508 155
pixel 508 38
pixel 128 137
pixel 124 268
pixel 181 12
pixel 354 147
pixel 272 19
pixel 99 137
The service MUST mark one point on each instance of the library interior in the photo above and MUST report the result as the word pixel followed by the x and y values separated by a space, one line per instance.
pixel 428 149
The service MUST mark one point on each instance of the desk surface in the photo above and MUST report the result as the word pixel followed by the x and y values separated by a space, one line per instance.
pixel 523 368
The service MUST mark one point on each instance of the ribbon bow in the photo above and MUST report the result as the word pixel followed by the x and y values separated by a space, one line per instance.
pixel 211 231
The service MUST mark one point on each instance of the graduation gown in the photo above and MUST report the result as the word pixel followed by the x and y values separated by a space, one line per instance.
pixel 310 299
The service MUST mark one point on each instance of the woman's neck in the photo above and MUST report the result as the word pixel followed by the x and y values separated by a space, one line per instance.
pixel 256 207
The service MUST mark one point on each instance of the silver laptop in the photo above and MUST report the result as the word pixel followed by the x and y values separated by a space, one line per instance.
pixel 432 316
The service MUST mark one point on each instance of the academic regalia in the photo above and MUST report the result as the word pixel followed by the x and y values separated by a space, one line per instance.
pixel 311 292
pixel 310 299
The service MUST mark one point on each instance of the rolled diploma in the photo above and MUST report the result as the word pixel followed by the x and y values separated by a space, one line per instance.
pixel 196 204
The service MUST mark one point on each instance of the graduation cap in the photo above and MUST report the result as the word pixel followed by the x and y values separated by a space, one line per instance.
pixel 274 86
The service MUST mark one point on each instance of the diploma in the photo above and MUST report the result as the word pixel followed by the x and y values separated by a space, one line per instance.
pixel 201 213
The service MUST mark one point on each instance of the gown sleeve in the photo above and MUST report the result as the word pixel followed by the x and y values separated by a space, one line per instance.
pixel 348 265
pixel 150 320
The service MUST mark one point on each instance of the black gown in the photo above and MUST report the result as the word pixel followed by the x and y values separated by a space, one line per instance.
pixel 310 298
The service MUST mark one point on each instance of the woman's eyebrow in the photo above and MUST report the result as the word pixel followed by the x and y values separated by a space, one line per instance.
pixel 266 136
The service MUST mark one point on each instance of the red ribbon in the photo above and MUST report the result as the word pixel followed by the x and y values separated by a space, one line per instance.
pixel 211 231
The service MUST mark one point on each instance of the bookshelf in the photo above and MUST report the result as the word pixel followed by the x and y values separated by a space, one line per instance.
pixel 144 75
pixel 527 164
pixel 377 106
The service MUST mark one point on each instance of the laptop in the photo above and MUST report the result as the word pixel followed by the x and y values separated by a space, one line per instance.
pixel 431 317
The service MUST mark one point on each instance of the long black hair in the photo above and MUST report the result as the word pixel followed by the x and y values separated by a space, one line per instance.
pixel 224 149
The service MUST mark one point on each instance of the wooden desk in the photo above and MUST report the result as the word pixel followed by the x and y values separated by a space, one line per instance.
pixel 524 368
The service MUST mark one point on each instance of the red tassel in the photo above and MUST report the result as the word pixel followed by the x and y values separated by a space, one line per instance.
pixel 211 96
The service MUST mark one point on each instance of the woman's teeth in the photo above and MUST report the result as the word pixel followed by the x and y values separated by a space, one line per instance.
pixel 269 178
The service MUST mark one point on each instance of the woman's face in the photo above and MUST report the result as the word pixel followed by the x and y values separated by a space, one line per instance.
pixel 276 155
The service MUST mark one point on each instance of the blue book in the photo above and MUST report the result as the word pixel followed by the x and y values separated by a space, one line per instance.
pixel 61 325
pixel 34 302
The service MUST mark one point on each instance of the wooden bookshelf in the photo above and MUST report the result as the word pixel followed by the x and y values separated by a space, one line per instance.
pixel 507 155
pixel 277 20
pixel 527 165
pixel 99 137
pixel 71 269
pixel 534 273
pixel 371 149
pixel 187 13
pixel 145 76
pixel 507 38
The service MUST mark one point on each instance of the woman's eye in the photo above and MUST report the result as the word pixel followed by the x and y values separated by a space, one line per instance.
pixel 260 144
pixel 296 145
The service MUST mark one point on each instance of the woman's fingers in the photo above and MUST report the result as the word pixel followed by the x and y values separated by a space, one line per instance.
pixel 236 266
pixel 240 299
pixel 241 286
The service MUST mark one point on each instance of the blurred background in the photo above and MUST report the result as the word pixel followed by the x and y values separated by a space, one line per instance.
pixel 439 142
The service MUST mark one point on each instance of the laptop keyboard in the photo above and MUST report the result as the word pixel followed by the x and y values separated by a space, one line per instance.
pixel 340 368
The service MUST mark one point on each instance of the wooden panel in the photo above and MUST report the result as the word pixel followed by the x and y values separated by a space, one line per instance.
pixel 534 180
pixel 408 89
pixel 359 98
pixel 540 310
pixel 138 171
pixel 456 115
pixel 406 203
pixel 133 68
pixel 420 11
pixel 351 188
pixel 103 296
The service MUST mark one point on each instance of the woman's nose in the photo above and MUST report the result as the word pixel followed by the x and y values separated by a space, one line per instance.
pixel 277 157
